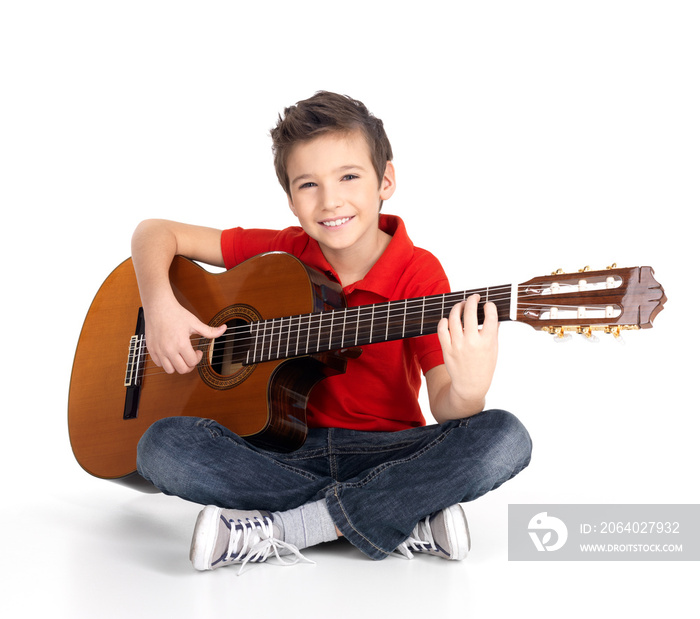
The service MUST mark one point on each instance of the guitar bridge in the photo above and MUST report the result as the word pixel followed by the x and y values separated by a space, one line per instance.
pixel 134 369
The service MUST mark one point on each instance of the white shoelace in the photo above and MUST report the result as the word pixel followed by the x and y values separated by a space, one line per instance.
pixel 258 543
pixel 420 540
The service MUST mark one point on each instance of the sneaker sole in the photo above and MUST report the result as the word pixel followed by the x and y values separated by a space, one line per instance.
pixel 203 539
pixel 455 518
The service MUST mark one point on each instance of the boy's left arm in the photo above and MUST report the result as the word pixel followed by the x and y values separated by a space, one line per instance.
pixel 458 388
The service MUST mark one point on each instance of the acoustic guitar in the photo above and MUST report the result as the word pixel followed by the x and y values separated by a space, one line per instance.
pixel 287 328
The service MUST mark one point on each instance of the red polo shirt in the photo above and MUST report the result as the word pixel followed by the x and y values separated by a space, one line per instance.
pixel 379 390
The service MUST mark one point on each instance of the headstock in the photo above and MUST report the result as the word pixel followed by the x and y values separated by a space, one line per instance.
pixel 610 300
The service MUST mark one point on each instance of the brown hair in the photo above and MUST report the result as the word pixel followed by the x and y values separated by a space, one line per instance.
pixel 327 112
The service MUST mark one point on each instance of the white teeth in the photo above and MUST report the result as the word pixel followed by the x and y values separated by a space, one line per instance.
pixel 336 222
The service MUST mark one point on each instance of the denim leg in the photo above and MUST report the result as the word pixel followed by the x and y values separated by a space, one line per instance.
pixel 431 468
pixel 204 462
pixel 377 485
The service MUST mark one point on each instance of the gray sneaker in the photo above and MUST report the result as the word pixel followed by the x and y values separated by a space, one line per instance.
pixel 232 536
pixel 443 534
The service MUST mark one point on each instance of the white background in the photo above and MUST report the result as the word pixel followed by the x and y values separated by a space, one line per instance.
pixel 528 136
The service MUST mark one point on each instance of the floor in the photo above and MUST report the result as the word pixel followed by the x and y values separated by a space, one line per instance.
pixel 98 551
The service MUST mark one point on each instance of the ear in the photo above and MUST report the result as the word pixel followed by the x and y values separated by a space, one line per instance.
pixel 387 186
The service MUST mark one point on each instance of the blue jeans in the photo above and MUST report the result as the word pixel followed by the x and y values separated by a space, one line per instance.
pixel 377 485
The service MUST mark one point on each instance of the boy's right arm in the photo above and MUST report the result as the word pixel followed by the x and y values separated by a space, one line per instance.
pixel 169 325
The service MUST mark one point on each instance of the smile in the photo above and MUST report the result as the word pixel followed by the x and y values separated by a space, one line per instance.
pixel 332 223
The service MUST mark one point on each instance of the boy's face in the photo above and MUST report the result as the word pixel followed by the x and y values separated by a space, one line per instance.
pixel 335 192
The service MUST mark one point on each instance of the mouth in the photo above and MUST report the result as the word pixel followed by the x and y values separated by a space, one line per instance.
pixel 335 223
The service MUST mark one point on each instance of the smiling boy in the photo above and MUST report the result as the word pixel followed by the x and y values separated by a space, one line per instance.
pixel 370 470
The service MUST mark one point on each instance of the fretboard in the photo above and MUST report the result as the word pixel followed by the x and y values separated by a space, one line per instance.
pixel 307 334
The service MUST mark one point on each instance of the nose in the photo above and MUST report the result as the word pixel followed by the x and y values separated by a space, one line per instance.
pixel 331 198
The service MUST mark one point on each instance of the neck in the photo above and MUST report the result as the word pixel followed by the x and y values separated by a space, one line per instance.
pixel 306 334
pixel 353 265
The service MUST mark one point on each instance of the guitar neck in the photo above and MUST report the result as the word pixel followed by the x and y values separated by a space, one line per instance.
pixel 307 334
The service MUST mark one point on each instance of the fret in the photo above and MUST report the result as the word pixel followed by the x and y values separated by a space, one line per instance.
pixel 342 335
pixel 284 334
pixel 252 339
pixel 295 332
pixel 277 339
pixel 267 346
pixel 405 311
pixel 298 329
pixel 257 336
pixel 289 330
pixel 330 330
pixel 371 326
pixel 320 325
pixel 282 346
pixel 388 310
pixel 261 341
pixel 422 316
pixel 272 338
pixel 434 313
pixel 357 325
pixel 267 342
pixel 379 322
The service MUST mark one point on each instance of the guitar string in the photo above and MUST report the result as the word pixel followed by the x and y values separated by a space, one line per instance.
pixel 313 321
pixel 240 334
pixel 308 327
pixel 310 323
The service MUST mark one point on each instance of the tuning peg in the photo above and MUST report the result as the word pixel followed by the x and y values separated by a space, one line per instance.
pixel 584 269
pixel 561 336
pixel 589 336
pixel 558 272
pixel 617 335
pixel 612 266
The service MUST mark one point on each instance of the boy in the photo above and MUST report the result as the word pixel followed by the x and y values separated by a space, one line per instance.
pixel 370 469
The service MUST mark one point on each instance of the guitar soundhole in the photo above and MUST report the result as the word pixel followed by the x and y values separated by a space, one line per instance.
pixel 228 351
pixel 223 365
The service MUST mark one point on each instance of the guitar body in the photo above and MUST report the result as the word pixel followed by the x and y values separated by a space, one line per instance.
pixel 264 402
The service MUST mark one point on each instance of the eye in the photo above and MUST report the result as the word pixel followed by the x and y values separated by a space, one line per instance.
pixel 307 185
pixel 349 177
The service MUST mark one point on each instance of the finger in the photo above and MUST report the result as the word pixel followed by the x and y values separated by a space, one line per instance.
pixel 471 322
pixel 190 355
pixel 210 332
pixel 155 358
pixel 455 318
pixel 187 359
pixel 490 318
pixel 167 366
pixel 200 328
pixel 443 331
